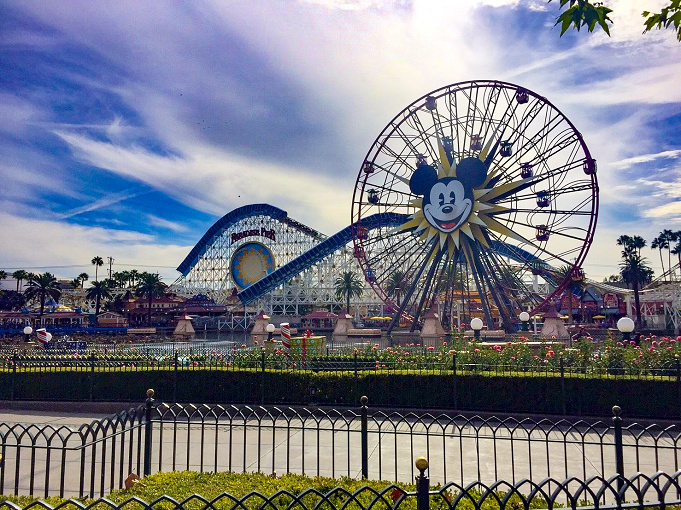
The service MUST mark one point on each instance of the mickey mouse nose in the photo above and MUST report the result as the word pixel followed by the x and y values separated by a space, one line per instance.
pixel 447 209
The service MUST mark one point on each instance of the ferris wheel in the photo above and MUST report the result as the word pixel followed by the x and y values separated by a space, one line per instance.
pixel 496 188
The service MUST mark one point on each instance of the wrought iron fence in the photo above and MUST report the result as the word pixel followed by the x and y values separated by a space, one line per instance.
pixel 96 458
pixel 660 490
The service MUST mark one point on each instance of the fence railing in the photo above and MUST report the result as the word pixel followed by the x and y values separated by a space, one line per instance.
pixel 660 490
pixel 96 458
pixel 200 359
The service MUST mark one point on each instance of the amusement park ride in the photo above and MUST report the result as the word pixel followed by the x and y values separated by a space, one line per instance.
pixel 466 202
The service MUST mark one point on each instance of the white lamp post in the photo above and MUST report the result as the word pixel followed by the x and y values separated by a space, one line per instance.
pixel 476 326
pixel 27 333
pixel 626 326
pixel 524 318
pixel 270 330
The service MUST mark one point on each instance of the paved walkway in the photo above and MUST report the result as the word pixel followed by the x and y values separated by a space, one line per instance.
pixel 462 453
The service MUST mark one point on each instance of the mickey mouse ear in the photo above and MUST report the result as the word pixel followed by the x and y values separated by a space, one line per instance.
pixel 471 172
pixel 423 178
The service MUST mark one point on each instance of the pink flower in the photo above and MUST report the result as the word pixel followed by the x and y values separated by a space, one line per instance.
pixel 549 354
pixel 430 347
pixel 213 351
pixel 512 358
pixel 243 346
pixel 631 342
pixel 451 351
pixel 444 344
pixel 546 361
pixel 595 356
pixel 477 350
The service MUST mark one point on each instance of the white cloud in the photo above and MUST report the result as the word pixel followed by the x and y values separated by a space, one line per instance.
pixel 155 221
pixel 670 209
pixel 645 158
pixel 104 202
pixel 32 243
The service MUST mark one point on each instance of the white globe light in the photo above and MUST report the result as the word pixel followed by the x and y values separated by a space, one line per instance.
pixel 625 325
pixel 270 328
pixel 476 324
pixel 49 337
pixel 524 316
pixel 28 330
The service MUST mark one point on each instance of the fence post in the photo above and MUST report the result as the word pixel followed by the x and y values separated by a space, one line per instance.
pixel 562 385
pixel 92 373
pixel 422 484
pixel 14 371
pixel 147 431
pixel 619 452
pixel 365 437
pixel 355 366
pixel 678 383
pixel 262 377
pixel 455 390
pixel 175 380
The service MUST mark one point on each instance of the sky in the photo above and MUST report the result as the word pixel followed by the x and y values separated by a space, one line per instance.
pixel 127 128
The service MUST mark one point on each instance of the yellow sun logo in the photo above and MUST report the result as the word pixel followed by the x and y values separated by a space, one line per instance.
pixel 458 198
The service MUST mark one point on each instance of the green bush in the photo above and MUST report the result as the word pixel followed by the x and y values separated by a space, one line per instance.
pixel 181 485
pixel 526 393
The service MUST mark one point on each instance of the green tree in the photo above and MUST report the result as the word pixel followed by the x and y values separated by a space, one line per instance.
pixel 12 300
pixel 75 283
pixel 583 13
pixel 83 277
pixel 98 291
pixel 40 286
pixel 567 272
pixel 151 286
pixel 635 270
pixel 19 275
pixel 397 285
pixel 134 276
pixel 97 262
pixel 3 274
pixel 348 285
pixel 676 250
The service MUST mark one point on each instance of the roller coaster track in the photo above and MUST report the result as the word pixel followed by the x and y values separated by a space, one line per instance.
pixel 315 255
pixel 343 237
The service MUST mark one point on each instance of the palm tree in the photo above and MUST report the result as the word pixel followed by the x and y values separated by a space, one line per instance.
pixel 348 285
pixel 98 291
pixel 677 249
pixel 19 275
pixel 134 276
pixel 625 241
pixel 660 243
pixel 83 277
pixel 636 272
pixel 397 285
pixel 565 273
pixel 97 262
pixel 75 283
pixel 3 274
pixel 637 242
pixel 151 286
pixel 40 286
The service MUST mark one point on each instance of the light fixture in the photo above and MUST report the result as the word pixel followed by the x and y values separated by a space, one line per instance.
pixel 626 326
pixel 524 318
pixel 476 326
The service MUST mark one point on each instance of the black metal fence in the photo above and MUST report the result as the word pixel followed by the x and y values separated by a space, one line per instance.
pixel 96 458
pixel 660 490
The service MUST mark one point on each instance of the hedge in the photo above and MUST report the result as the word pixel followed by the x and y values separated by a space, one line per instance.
pixel 181 485
pixel 548 394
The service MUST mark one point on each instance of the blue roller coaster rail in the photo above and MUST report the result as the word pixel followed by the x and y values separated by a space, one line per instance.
pixel 325 248
pixel 315 255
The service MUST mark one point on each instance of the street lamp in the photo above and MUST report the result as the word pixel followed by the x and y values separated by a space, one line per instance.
pixel 626 326
pixel 270 330
pixel 524 318
pixel 27 333
pixel 476 326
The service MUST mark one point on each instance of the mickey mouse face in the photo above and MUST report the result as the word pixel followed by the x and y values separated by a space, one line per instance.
pixel 448 202
pixel 448 207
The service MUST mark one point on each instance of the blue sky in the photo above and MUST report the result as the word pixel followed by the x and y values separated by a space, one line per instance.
pixel 128 128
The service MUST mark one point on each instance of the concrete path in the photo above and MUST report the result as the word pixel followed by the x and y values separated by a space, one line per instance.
pixel 461 454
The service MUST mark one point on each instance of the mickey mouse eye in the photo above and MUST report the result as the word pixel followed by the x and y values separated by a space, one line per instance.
pixel 452 197
pixel 441 198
